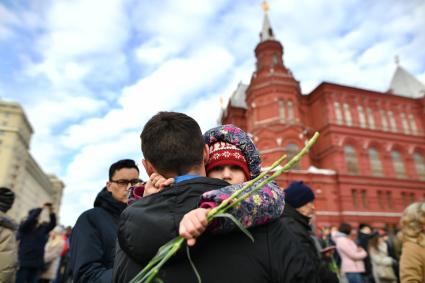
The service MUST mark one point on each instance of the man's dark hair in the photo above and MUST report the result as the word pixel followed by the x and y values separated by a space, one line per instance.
pixel 363 225
pixel 120 164
pixel 172 142
pixel 345 228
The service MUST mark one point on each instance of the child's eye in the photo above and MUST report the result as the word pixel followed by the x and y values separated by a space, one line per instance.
pixel 218 168
pixel 235 168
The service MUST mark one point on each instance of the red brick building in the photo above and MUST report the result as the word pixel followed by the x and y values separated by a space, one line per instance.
pixel 369 162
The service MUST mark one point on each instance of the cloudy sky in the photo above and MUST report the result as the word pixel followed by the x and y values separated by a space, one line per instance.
pixel 89 73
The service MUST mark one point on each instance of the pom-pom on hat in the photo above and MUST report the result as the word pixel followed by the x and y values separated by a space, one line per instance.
pixel 223 153
pixel 298 194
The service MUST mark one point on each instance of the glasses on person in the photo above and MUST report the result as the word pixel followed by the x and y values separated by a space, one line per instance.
pixel 124 183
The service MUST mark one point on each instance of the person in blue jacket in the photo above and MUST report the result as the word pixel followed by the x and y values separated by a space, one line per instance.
pixel 94 235
pixel 33 234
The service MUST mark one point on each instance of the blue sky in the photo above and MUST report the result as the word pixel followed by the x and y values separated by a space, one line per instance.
pixel 90 73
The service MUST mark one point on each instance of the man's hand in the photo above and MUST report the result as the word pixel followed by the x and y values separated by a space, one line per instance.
pixel 156 183
pixel 193 224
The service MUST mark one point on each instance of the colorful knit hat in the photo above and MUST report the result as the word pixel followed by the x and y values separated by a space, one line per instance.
pixel 237 137
pixel 223 153
pixel 298 194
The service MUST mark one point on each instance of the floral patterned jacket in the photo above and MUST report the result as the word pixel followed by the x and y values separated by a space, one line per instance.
pixel 261 207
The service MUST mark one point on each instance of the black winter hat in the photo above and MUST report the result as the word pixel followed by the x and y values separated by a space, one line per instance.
pixel 298 194
pixel 7 197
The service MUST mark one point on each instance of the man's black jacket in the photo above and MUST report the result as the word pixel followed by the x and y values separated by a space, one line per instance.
pixel 152 221
pixel 297 224
pixel 93 240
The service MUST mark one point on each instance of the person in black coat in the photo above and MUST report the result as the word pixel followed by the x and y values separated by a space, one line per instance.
pixel 94 235
pixel 296 217
pixel 33 234
pixel 365 233
pixel 173 146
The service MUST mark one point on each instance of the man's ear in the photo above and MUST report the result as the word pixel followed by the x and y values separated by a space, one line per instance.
pixel 108 185
pixel 206 154
pixel 148 167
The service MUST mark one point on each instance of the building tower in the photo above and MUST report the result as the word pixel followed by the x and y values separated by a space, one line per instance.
pixel 273 99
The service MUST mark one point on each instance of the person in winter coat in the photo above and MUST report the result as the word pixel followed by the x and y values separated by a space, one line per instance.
pixel 365 233
pixel 52 255
pixel 412 261
pixel 296 217
pixel 173 146
pixel 351 255
pixel 382 263
pixel 8 245
pixel 33 234
pixel 233 158
pixel 94 234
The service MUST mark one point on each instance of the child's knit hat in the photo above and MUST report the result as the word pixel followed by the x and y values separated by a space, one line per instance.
pixel 237 137
pixel 223 153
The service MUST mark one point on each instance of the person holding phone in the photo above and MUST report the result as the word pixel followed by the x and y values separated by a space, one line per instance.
pixel 32 235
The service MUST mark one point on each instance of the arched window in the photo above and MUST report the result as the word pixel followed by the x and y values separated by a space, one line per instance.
pixel 398 164
pixel 375 162
pixel 420 165
pixel 384 120
pixel 347 114
pixel 404 123
pixel 370 118
pixel 291 150
pixel 290 111
pixel 281 105
pixel 351 160
pixel 362 118
pixel 338 113
pixel 413 124
pixel 392 121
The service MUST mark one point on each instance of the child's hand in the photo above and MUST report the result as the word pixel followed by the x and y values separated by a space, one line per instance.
pixel 193 224
pixel 156 183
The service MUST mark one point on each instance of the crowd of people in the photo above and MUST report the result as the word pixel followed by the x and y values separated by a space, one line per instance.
pixel 191 173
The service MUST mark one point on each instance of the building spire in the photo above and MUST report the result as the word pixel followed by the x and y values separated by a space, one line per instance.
pixel 397 60
pixel 267 31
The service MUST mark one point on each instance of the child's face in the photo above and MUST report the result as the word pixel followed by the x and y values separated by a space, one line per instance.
pixel 229 173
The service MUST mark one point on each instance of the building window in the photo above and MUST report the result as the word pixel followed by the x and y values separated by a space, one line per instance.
pixel 413 124
pixel 351 160
pixel 404 123
pixel 347 115
pixel 338 113
pixel 370 118
pixel 392 121
pixel 412 197
pixel 362 118
pixel 404 199
pixel 281 105
pixel 375 162
pixel 390 200
pixel 420 165
pixel 384 120
pixel 364 198
pixel 291 150
pixel 354 197
pixel 290 111
pixel 399 170
pixel 380 200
